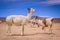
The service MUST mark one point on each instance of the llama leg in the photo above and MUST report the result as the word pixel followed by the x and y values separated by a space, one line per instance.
pixel 22 33
pixel 43 27
pixel 33 23
pixel 37 24
pixel 51 28
pixel 9 28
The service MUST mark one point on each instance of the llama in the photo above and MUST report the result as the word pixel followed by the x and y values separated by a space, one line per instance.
pixel 23 21
pixel 34 20
pixel 49 23
pixel 46 22
pixel 19 19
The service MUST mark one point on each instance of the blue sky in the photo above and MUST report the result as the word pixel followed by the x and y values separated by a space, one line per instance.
pixel 49 8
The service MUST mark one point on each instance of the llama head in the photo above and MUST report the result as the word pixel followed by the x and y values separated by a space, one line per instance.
pixel 30 10
pixel 36 17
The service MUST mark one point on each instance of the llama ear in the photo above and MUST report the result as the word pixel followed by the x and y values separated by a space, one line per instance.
pixel 28 8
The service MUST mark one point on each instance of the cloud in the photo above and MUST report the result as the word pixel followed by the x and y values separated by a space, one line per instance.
pixel 16 0
pixel 20 1
pixel 43 2
pixel 49 2
pixel 10 0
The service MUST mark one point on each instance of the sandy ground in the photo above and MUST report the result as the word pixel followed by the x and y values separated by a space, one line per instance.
pixel 31 33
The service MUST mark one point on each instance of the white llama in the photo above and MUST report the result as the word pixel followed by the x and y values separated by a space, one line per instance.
pixel 19 20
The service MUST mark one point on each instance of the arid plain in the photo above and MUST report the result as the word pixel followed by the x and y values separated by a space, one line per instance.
pixel 31 33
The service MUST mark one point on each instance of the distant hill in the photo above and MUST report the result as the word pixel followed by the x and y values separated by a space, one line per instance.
pixel 2 19
pixel 56 20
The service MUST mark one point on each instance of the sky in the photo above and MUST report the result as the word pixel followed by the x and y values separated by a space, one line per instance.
pixel 49 8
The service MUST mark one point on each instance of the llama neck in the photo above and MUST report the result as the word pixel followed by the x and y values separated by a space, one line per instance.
pixel 29 15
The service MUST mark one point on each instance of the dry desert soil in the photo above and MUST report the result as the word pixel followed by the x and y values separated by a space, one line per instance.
pixel 30 33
